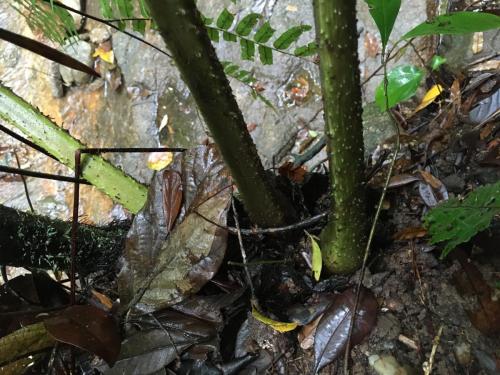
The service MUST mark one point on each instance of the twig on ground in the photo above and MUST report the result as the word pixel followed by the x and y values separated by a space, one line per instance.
pixel 435 343
pixel 259 231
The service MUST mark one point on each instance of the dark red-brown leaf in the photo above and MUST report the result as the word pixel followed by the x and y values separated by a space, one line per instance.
pixel 172 196
pixel 333 329
pixel 46 51
pixel 87 328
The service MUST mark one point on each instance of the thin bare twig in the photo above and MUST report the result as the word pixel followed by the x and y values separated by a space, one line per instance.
pixel 243 252
pixel 26 191
pixel 435 344
pixel 260 231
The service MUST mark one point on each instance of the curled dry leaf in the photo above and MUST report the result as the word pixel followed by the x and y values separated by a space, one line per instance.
pixel 333 328
pixel 409 233
pixel 160 340
pixel 432 190
pixel 401 180
pixel 166 266
pixel 87 328
pixel 172 196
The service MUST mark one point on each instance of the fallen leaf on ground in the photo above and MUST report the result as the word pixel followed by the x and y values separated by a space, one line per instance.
pixel 87 328
pixel 171 265
pixel 278 326
pixel 409 233
pixel 333 328
pixel 429 97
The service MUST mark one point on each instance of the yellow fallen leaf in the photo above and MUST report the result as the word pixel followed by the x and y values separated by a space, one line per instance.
pixel 278 326
pixel 107 56
pixel 429 97
pixel 159 160
pixel 316 259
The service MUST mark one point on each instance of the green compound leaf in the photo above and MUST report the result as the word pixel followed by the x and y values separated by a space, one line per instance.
pixel 246 25
pixel 247 49
pixel 403 82
pixel 384 13
pixel 225 19
pixel 264 33
pixel 456 23
pixel 456 221
pixel 265 55
pixel 290 36
pixel 307 50
pixel 236 72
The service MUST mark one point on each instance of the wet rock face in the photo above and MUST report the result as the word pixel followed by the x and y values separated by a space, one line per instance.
pixel 152 92
pixel 81 51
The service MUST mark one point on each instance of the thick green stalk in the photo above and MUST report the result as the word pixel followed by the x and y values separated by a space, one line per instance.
pixel 182 29
pixel 59 143
pixel 344 238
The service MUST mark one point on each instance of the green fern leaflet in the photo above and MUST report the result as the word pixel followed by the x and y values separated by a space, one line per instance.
pixel 456 221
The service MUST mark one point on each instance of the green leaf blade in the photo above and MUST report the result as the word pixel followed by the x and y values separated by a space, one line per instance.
pixel 403 82
pixel 265 55
pixel 213 34
pixel 437 61
pixel 316 258
pixel 106 9
pixel 245 26
pixel 247 49
pixel 225 19
pixel 290 36
pixel 307 50
pixel 456 23
pixel 384 13
pixel 229 37
pixel 264 33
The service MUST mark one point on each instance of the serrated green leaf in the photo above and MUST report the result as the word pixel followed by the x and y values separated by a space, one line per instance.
pixel 264 33
pixel 247 49
pixel 229 37
pixel 290 36
pixel 213 34
pixel 307 50
pixel 456 23
pixel 437 61
pixel 403 82
pixel 265 55
pixel 225 19
pixel 246 25
pixel 384 13
pixel 454 222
